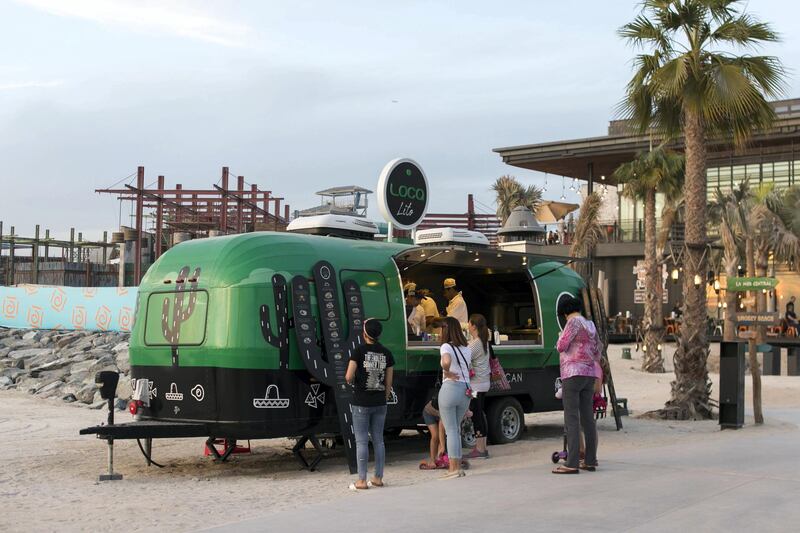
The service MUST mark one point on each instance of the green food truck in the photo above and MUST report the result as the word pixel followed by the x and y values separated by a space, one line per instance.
pixel 248 336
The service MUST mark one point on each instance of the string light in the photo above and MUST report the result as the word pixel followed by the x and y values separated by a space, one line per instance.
pixel 563 196
pixel 545 182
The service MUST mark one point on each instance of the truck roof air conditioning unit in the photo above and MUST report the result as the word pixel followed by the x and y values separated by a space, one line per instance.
pixel 451 236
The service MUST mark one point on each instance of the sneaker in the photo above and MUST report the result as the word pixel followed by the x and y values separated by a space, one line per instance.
pixel 475 454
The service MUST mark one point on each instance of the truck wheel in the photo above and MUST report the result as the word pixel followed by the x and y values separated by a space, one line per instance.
pixel 506 420
pixel 468 439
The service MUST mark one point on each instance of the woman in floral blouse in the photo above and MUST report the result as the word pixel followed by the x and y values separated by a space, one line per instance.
pixel 579 346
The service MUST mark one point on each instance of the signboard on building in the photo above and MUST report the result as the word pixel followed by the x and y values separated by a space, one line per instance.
pixel 403 193
pixel 755 319
pixel 751 284
pixel 639 292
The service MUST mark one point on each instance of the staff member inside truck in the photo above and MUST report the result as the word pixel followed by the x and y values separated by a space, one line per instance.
pixel 456 307
pixel 416 317
pixel 428 303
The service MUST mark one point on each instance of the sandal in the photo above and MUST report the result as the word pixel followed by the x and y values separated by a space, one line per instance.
pixel 424 465
pixel 373 483
pixel 565 470
pixel 356 488
pixel 588 468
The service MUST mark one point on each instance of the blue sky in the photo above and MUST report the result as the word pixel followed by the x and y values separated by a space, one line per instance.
pixel 299 96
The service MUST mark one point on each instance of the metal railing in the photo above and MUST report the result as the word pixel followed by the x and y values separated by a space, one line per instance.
pixel 619 231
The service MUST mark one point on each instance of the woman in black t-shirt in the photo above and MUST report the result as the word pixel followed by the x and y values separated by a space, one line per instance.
pixel 370 372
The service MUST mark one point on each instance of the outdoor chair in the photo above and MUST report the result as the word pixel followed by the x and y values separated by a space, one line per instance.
pixel 630 325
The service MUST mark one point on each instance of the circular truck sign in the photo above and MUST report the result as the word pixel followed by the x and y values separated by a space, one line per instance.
pixel 403 193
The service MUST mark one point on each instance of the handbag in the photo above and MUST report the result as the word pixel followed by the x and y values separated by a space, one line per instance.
pixel 497 377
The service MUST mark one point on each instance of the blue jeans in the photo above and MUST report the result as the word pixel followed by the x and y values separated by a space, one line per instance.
pixel 368 423
pixel 453 404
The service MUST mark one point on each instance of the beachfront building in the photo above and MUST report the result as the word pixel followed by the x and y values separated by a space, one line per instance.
pixel 771 157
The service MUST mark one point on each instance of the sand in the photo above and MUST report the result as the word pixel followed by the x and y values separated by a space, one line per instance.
pixel 48 478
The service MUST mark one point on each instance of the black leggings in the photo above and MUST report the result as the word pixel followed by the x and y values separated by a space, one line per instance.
pixel 478 414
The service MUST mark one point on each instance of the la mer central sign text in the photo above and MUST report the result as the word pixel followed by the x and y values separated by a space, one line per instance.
pixel 751 284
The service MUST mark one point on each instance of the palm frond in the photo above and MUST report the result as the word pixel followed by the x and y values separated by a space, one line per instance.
pixel 680 71
pixel 772 223
pixel 743 31
pixel 509 193
pixel 587 229
pixel 660 170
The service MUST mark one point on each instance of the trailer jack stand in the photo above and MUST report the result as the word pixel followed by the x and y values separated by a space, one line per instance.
pixel 111 476
pixel 298 453
pixel 221 457
pixel 107 390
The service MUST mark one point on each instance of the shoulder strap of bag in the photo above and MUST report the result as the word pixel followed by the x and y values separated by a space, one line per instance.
pixel 460 357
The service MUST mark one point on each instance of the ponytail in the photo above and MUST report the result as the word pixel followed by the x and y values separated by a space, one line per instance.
pixel 479 321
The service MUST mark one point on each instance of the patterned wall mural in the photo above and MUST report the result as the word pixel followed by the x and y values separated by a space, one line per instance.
pixel 51 307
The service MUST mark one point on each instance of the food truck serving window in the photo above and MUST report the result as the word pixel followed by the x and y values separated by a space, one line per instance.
pixel 373 291
pixel 497 287
pixel 176 318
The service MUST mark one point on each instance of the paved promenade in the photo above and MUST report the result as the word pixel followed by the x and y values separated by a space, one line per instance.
pixel 747 480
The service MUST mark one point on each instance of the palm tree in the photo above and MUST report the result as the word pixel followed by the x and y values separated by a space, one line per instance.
pixel 730 211
pixel 587 233
pixel 686 81
pixel 753 224
pixel 767 232
pixel 511 193
pixel 652 172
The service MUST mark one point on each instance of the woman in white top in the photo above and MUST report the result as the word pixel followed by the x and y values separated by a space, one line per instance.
pixel 455 394
pixel 480 382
